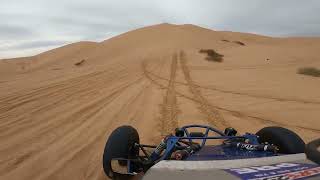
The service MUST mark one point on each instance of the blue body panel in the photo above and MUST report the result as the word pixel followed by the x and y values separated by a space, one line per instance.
pixel 223 152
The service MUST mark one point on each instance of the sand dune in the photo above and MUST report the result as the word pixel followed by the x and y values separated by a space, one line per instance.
pixel 55 115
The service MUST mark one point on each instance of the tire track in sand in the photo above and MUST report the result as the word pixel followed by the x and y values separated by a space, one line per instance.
pixel 67 126
pixel 258 96
pixel 169 109
pixel 213 116
pixel 154 77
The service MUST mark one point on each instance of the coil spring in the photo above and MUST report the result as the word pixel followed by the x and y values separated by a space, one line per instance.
pixel 160 147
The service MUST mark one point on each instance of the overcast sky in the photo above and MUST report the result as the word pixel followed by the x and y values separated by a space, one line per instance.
pixel 28 27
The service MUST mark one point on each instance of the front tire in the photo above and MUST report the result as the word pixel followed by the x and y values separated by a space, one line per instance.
pixel 286 140
pixel 120 145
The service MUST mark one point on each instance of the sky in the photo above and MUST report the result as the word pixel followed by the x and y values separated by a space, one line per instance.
pixel 28 27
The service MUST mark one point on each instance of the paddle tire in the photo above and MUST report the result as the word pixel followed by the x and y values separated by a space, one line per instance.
pixel 286 140
pixel 120 145
pixel 313 151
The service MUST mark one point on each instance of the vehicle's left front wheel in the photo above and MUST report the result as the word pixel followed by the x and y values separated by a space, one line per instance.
pixel 120 145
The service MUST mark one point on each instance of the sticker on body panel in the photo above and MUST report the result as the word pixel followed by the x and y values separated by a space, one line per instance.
pixel 281 171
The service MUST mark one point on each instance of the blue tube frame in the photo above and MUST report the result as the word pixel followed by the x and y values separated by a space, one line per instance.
pixel 172 140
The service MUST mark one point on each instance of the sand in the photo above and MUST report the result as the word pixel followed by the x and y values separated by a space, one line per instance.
pixel 55 114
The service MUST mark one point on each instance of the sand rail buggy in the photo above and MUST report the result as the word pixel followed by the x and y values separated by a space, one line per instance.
pixel 125 157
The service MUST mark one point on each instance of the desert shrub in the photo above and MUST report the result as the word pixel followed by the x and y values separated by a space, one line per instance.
pixel 239 42
pixel 310 71
pixel 212 55
pixel 80 62
pixel 225 40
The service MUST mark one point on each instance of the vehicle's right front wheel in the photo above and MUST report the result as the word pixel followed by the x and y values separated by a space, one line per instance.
pixel 286 140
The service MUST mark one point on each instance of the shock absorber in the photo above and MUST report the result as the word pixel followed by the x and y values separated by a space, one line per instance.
pixel 251 147
pixel 159 149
